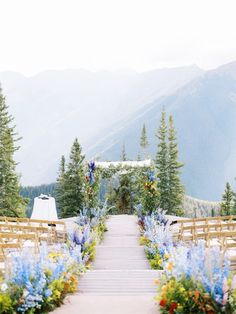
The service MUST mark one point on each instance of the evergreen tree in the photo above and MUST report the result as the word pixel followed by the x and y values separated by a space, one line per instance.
pixel 60 185
pixel 139 157
pixel 144 141
pixel 162 164
pixel 11 202
pixel 123 153
pixel 226 205
pixel 175 187
pixel 124 199
pixel 72 183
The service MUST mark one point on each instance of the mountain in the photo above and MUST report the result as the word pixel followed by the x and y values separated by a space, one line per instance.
pixel 53 107
pixel 204 112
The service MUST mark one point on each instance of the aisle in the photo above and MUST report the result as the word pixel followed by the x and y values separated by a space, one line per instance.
pixel 121 281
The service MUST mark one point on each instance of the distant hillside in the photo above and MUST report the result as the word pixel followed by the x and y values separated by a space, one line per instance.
pixel 194 207
pixel 53 107
pixel 204 113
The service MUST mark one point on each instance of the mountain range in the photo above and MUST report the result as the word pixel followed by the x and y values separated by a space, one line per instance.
pixel 106 109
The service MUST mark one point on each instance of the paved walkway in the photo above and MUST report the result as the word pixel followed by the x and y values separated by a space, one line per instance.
pixel 121 281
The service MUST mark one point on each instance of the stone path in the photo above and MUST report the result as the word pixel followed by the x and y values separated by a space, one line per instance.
pixel 121 281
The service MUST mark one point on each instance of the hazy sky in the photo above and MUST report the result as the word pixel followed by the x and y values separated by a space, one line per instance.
pixel 113 34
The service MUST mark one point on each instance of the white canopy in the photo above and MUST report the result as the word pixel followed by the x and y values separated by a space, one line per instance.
pixel 44 208
pixel 131 163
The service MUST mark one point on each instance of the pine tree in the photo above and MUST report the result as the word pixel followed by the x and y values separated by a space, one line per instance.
pixel 226 205
pixel 175 187
pixel 162 164
pixel 139 157
pixel 11 203
pixel 144 141
pixel 74 183
pixel 123 153
pixel 60 185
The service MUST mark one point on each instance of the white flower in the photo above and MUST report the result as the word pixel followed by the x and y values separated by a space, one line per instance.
pixel 4 287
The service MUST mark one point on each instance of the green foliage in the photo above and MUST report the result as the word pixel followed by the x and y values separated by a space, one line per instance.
pixel 148 192
pixel 123 156
pixel 186 296
pixel 170 188
pixel 71 183
pixel 226 207
pixel 175 187
pixel 11 202
pixel 124 194
pixel 6 304
pixel 92 190
pixel 162 164
pixel 144 141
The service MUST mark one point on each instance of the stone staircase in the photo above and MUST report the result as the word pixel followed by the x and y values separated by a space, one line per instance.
pixel 121 281
pixel 120 266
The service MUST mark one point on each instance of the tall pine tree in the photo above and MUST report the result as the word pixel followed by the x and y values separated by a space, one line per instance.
pixel 11 203
pixel 144 141
pixel 226 205
pixel 175 187
pixel 162 164
pixel 170 188
pixel 60 185
pixel 71 189
pixel 123 153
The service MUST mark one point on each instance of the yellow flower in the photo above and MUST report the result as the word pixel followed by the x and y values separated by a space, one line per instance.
pixel 163 288
pixel 160 262
pixel 170 266
pixel 156 281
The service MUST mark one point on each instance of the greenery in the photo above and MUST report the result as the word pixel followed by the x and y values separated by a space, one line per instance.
pixel 185 296
pixel 71 183
pixel 148 192
pixel 123 156
pixel 169 185
pixel 227 204
pixel 175 187
pixel 11 202
pixel 144 141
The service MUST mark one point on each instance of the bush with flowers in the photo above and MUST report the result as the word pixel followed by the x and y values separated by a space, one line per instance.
pixel 156 238
pixel 198 281
pixel 39 283
pixel 195 279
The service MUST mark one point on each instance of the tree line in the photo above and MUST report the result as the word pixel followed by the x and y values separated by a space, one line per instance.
pixel 78 183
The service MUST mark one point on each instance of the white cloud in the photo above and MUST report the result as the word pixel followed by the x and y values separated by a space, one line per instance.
pixel 52 34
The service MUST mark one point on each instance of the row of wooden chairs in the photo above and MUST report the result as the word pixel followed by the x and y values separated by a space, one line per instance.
pixel 8 239
pixel 205 220
pixel 192 231
pixel 214 231
pixel 55 227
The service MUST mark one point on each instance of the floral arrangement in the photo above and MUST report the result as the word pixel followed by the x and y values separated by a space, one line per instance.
pixel 156 238
pixel 195 278
pixel 38 284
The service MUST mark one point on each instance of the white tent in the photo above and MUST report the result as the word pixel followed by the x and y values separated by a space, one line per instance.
pixel 131 163
pixel 44 208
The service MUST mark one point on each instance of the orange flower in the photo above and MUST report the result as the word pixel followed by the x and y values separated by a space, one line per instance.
pixel 196 294
pixel 170 266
